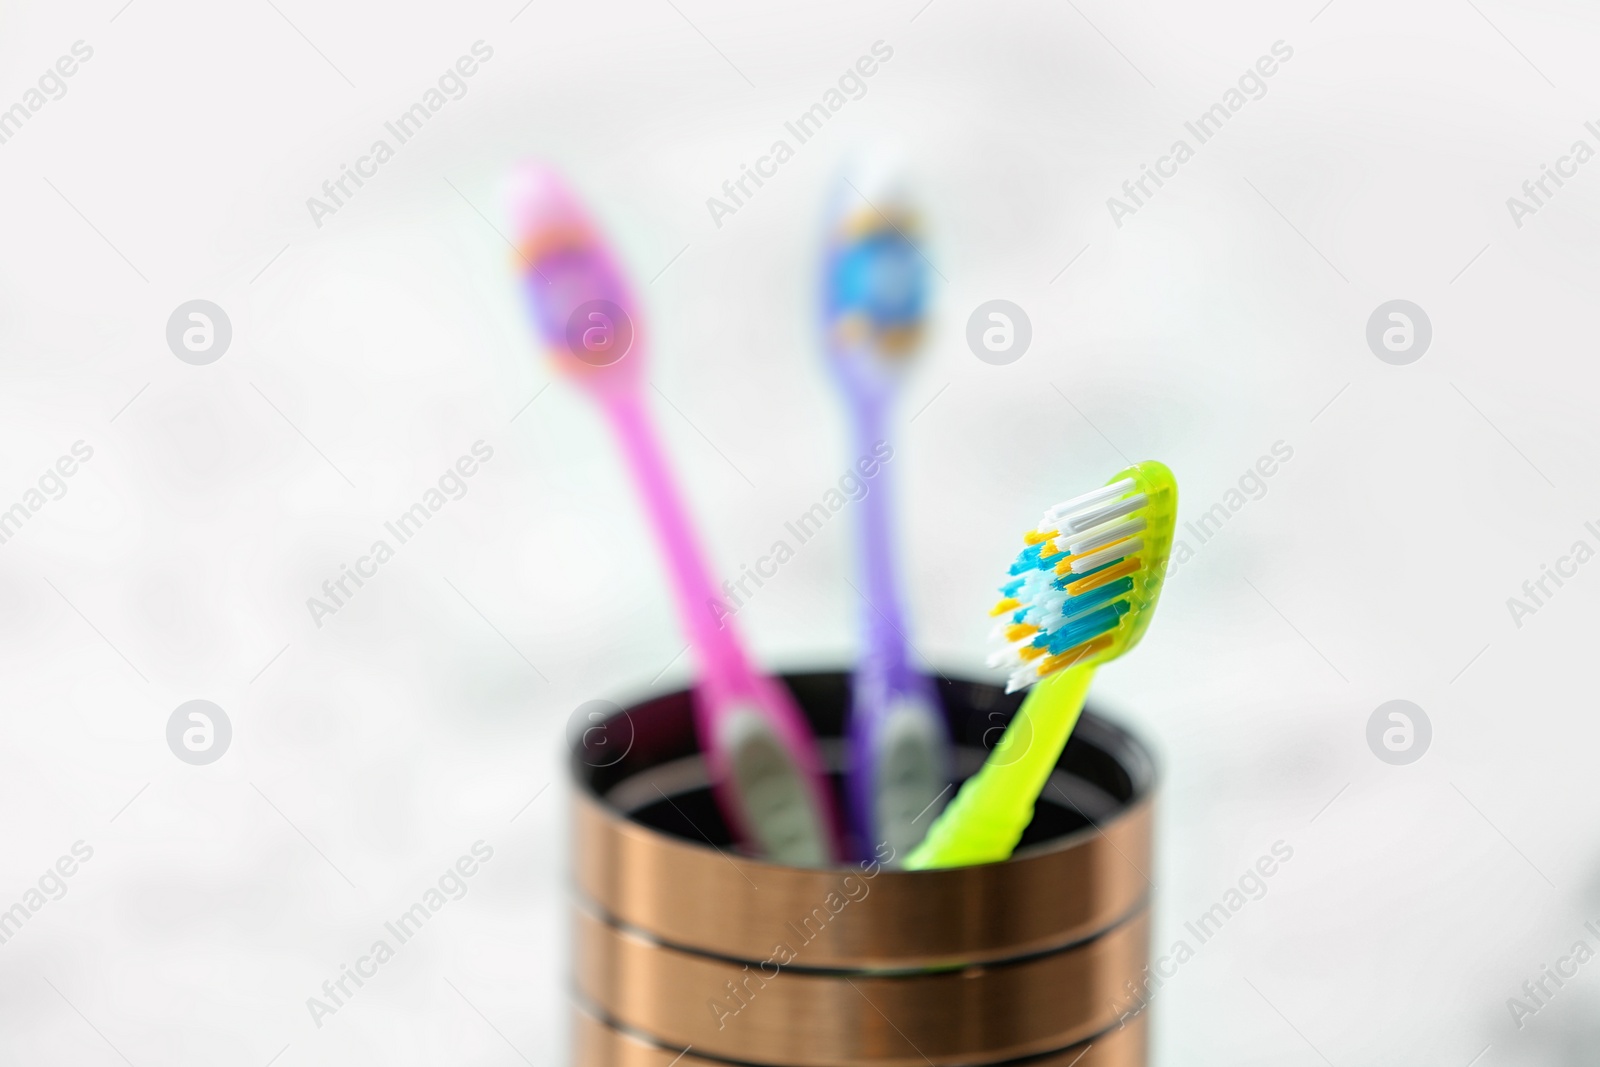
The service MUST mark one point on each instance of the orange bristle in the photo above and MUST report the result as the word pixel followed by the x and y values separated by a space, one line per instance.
pixel 1110 574
pixel 1008 604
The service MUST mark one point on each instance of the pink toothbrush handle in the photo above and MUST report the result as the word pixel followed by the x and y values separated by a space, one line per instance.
pixel 729 689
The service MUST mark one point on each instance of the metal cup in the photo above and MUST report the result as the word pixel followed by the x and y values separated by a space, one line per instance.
pixel 686 948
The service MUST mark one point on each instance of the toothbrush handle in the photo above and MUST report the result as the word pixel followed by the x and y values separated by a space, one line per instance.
pixel 985 820
pixel 757 743
pixel 886 644
pixel 723 665
pixel 899 768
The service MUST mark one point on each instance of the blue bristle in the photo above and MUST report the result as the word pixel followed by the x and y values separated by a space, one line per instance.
pixel 1011 589
pixel 880 275
pixel 1109 591
pixel 1090 626
pixel 1028 560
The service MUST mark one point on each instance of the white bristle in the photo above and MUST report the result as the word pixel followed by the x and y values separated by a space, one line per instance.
pixel 1003 658
pixel 1021 679
pixel 1100 536
pixel 1010 655
pixel 1079 521
pixel 1089 499
pixel 1106 555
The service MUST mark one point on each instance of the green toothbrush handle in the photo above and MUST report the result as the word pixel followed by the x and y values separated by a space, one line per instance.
pixel 985 820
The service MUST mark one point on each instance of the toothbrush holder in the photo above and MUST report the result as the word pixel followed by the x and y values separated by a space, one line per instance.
pixel 687 953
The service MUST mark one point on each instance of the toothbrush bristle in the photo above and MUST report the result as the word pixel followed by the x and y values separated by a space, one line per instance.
pixel 579 297
pixel 875 279
pixel 1082 587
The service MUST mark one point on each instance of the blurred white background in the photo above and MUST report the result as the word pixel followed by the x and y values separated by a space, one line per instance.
pixel 370 352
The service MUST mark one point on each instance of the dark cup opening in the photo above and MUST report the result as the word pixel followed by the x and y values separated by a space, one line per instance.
pixel 1101 774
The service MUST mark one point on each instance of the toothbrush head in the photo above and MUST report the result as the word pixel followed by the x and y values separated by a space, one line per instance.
pixel 581 304
pixel 875 281
pixel 1084 589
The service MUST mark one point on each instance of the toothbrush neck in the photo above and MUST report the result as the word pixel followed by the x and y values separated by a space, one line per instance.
pixel 885 627
pixel 704 612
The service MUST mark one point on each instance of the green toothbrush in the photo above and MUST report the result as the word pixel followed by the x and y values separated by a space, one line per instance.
pixel 1081 594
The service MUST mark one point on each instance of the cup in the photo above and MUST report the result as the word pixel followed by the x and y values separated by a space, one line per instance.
pixel 688 952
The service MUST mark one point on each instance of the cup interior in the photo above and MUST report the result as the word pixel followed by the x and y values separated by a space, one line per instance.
pixel 644 761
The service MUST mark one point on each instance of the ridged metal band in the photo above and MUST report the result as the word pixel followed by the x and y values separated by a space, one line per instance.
pixel 596 1043
pixel 769 1014
pixel 729 905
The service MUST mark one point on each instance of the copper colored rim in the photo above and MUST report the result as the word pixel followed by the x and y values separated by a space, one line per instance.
pixel 596 1043
pixel 958 1016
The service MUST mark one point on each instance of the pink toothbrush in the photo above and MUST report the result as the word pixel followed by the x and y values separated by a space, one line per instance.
pixel 762 757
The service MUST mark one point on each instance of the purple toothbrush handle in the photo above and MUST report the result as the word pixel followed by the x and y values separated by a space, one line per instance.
pixel 885 679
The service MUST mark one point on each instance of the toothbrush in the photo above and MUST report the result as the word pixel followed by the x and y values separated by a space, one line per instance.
pixel 1081 594
pixel 874 289
pixel 762 757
